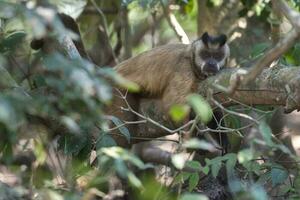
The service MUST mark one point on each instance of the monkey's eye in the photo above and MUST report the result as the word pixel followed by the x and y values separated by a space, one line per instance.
pixel 218 56
pixel 205 54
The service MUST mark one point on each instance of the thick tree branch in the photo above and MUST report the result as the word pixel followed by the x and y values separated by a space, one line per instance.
pixel 280 48
pixel 274 86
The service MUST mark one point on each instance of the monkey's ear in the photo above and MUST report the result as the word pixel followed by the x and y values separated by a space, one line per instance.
pixel 222 39
pixel 205 38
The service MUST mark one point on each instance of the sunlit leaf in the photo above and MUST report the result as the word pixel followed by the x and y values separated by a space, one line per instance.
pixel 178 161
pixel 50 195
pixel 134 180
pixel 179 112
pixel 70 7
pixel 191 196
pixel 245 155
pixel 70 124
pixel 40 152
pixel 195 143
pixel 129 85
pixel 201 107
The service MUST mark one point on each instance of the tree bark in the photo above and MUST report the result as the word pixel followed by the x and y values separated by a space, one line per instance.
pixel 275 86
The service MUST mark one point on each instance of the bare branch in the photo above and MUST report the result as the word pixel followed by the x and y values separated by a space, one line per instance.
pixel 130 109
pixel 182 36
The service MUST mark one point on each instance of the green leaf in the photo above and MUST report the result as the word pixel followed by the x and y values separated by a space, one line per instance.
pixel 201 107
pixel 195 143
pixel 181 177
pixel 70 124
pixel 191 196
pixel 193 181
pixel 121 168
pixel 258 192
pixel 48 194
pixel 215 168
pixel 179 112
pixel 127 84
pixel 193 164
pixel 123 130
pixel 278 175
pixel 297 181
pixel 39 152
pixel 258 49
pixel 245 155
pixel 252 166
pixel 73 144
pixel 264 178
pixel 105 141
pixel 12 41
pixel 266 132
pixel 134 180
pixel 205 169
pixel 230 163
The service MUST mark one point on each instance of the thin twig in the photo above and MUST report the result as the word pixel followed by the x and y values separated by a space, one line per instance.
pixel 130 109
pixel 233 112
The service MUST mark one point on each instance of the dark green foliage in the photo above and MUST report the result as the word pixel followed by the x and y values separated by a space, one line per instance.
pixel 48 98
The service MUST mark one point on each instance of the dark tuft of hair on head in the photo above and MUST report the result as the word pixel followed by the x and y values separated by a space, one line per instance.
pixel 222 39
pixel 205 38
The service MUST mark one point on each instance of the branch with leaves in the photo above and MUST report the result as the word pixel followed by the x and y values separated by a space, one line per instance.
pixel 274 53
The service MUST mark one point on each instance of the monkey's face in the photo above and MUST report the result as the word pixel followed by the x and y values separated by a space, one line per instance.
pixel 210 54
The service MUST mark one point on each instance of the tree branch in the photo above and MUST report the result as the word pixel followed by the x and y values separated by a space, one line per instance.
pixel 280 48
pixel 274 86
pixel 182 36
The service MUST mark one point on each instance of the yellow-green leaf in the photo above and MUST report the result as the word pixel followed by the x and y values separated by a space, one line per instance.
pixel 201 107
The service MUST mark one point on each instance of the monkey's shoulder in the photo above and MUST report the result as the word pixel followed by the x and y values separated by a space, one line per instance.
pixel 161 59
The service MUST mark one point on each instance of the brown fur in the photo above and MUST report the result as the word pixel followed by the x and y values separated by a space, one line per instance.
pixel 163 72
pixel 168 73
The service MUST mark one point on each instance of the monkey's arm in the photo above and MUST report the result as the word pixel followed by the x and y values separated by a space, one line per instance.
pixel 181 85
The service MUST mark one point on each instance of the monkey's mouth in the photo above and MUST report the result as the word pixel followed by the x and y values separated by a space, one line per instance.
pixel 210 71
pixel 210 74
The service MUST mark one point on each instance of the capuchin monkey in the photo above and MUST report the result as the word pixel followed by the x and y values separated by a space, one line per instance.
pixel 170 73
pixel 167 73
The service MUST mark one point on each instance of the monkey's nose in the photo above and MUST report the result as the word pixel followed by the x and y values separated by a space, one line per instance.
pixel 210 68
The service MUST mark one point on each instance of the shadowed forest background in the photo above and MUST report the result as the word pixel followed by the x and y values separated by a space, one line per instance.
pixel 57 82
